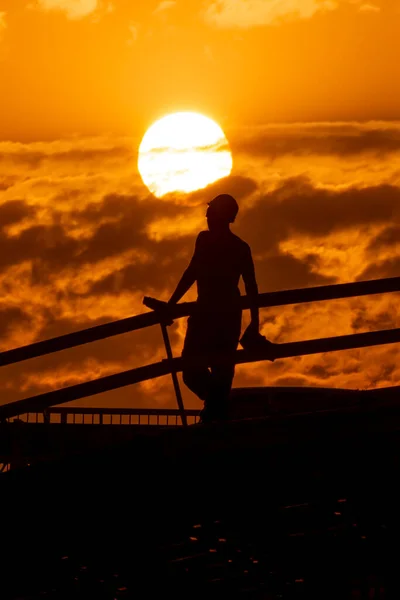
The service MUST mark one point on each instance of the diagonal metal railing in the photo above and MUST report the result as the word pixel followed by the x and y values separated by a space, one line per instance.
pixel 172 365
pixel 268 299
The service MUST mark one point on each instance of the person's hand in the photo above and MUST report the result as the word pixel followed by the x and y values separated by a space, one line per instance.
pixel 253 341
pixel 250 335
pixel 161 308
pixel 253 328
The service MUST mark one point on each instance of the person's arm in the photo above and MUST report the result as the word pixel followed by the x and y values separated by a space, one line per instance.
pixel 187 280
pixel 251 287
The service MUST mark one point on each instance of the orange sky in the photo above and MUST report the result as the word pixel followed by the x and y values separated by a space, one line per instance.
pixel 308 94
pixel 91 66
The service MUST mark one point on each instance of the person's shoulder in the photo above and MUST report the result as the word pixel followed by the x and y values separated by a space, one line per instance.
pixel 241 244
pixel 202 237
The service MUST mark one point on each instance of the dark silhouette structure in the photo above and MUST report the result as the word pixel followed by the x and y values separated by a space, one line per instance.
pixel 157 316
pixel 320 524
pixel 251 510
pixel 219 260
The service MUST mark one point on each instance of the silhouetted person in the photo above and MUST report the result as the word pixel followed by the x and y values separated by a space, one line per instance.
pixel 213 331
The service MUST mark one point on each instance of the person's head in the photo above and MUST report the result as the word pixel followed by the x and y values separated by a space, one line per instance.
pixel 222 211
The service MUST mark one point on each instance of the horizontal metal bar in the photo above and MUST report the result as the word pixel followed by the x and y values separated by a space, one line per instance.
pixel 269 299
pixel 119 411
pixel 118 380
pixel 330 344
pixel 82 390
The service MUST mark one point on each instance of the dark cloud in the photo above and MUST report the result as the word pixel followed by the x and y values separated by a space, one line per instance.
pixel 165 262
pixel 51 248
pixel 136 347
pixel 14 211
pixel 363 319
pixel 390 236
pixel 46 243
pixel 127 229
pixel 7 181
pixel 319 371
pixel 297 207
pixel 37 158
pixel 97 155
pixel 118 224
pixel 78 244
pixel 12 317
pixel 382 269
pixel 236 185
pixel 283 271
pixel 342 141
pixel 28 158
pixel 125 207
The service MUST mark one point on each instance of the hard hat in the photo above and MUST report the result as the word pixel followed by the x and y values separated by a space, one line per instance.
pixel 225 207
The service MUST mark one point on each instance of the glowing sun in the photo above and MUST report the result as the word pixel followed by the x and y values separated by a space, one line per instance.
pixel 183 152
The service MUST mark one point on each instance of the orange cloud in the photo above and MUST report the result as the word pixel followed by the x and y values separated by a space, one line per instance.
pixel 82 241
pixel 252 13
pixel 3 23
pixel 370 8
pixel 73 9
pixel 164 5
pixel 256 13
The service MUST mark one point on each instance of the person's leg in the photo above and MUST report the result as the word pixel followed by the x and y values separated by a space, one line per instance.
pixel 197 380
pixel 211 339
pixel 227 333
pixel 220 386
pixel 195 372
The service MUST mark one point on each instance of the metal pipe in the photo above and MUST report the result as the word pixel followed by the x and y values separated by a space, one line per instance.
pixel 269 299
pixel 173 374
pixel 110 382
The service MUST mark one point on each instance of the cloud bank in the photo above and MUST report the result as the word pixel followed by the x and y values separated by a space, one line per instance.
pixel 82 241
pixel 3 23
pixel 73 9
pixel 252 13
pixel 244 14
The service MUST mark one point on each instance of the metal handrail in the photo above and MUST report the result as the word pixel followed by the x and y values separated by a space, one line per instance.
pixel 265 300
pixel 84 410
pixel 104 416
pixel 42 402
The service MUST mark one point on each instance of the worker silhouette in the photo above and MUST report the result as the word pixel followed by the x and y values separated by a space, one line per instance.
pixel 214 327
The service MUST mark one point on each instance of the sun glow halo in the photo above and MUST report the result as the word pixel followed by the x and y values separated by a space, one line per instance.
pixel 183 152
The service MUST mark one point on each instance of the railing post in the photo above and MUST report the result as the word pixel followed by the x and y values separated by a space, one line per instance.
pixel 173 374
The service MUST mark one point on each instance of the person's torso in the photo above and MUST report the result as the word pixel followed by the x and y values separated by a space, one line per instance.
pixel 219 264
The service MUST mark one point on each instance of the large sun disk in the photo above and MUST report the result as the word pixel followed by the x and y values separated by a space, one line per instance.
pixel 183 152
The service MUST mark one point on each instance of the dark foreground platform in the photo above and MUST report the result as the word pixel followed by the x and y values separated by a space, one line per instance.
pixel 287 506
